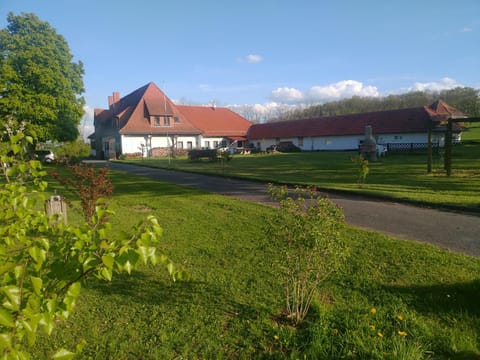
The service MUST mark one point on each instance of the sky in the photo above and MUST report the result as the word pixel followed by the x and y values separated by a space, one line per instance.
pixel 264 53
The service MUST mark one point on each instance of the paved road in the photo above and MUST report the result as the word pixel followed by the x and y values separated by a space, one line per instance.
pixel 454 231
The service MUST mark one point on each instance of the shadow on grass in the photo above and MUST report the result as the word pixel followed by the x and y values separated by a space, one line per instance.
pixel 457 297
pixel 141 288
pixel 125 184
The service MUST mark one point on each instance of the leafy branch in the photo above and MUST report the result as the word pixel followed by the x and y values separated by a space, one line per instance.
pixel 44 261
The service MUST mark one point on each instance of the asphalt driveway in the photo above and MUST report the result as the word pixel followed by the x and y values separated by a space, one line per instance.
pixel 451 230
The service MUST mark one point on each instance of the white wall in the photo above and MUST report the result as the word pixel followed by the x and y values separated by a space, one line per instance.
pixel 132 144
pixel 334 143
pixel 403 138
pixel 315 143
pixel 210 141
pixel 348 142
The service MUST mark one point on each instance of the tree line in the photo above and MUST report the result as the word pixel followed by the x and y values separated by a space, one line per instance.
pixel 465 99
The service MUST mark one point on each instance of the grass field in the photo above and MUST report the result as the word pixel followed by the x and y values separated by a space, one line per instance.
pixel 393 299
pixel 397 176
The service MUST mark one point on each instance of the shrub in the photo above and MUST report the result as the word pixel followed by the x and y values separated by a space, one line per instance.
pixel 44 261
pixel 362 167
pixel 92 186
pixel 309 229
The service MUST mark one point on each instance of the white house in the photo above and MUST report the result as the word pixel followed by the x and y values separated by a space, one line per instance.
pixel 146 122
pixel 392 128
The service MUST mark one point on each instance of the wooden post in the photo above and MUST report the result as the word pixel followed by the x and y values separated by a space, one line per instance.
pixel 429 148
pixel 448 148
pixel 56 206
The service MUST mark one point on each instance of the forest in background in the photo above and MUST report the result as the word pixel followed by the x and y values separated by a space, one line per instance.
pixel 465 99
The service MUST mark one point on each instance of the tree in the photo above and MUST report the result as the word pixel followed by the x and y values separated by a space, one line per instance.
pixel 465 99
pixel 44 261
pixel 39 82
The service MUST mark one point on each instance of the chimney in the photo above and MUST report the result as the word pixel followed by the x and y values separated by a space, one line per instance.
pixel 113 100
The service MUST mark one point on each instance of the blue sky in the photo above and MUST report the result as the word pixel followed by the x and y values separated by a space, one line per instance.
pixel 265 52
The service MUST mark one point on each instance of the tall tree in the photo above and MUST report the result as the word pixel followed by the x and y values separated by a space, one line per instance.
pixel 465 99
pixel 40 83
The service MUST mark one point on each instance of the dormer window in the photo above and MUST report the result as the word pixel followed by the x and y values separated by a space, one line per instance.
pixel 161 120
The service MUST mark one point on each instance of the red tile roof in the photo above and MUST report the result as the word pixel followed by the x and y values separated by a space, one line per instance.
pixel 415 120
pixel 216 121
pixel 134 110
pixel 147 101
pixel 442 111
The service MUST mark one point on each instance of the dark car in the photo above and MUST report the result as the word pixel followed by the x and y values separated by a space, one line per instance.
pixel 45 156
pixel 287 146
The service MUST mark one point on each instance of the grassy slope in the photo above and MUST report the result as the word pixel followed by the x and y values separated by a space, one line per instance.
pixel 230 308
pixel 396 176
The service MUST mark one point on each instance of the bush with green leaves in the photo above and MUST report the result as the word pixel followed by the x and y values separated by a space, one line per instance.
pixel 309 231
pixel 362 167
pixel 44 261
pixel 72 151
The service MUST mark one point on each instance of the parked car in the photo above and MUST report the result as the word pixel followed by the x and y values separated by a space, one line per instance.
pixel 45 156
pixel 271 148
pixel 287 146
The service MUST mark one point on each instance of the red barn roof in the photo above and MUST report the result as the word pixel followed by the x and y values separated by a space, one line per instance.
pixel 414 120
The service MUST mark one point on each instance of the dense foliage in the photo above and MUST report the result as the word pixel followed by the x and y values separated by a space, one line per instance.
pixel 39 82
pixel 464 99
pixel 44 261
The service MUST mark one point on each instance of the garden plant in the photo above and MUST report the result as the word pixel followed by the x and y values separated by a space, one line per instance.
pixel 44 261
pixel 309 231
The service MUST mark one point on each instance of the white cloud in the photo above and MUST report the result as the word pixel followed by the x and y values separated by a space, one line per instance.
pixel 445 83
pixel 86 127
pixel 339 90
pixel 266 107
pixel 467 29
pixel 286 94
pixel 251 59
pixel 254 59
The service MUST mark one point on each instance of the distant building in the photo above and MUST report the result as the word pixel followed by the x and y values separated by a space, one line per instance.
pixel 147 123
pixel 392 128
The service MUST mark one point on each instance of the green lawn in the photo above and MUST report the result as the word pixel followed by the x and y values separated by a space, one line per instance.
pixel 231 308
pixel 397 176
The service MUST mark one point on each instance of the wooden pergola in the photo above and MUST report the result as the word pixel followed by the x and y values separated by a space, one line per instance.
pixel 448 143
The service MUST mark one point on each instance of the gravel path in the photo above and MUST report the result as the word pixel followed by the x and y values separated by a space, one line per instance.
pixel 451 230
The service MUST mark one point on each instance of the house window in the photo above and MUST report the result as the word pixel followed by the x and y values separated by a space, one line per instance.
pixel 180 144
pixel 277 141
pixel 215 144
pixel 166 120
pixel 398 137
pixel 207 144
pixel 300 141
pixel 189 145
pixel 176 120
pixel 156 121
